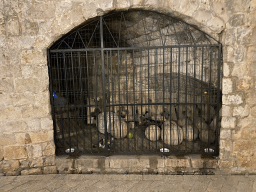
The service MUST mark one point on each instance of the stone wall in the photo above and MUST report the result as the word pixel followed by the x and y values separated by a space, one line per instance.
pixel 28 28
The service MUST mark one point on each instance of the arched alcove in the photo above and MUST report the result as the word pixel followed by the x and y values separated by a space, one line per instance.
pixel 135 82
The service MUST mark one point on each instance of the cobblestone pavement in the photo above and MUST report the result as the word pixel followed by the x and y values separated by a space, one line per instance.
pixel 93 182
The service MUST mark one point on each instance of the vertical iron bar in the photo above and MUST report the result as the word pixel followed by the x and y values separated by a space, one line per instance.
pixel 210 96
pixel 186 100
pixel 171 81
pixel 135 106
pixel 194 93
pixel 74 92
pixel 202 76
pixel 89 99
pixel 103 83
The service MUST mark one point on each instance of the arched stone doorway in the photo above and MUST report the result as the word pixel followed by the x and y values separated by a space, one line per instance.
pixel 135 82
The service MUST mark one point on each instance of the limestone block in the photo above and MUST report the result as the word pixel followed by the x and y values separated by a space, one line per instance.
pixel 225 111
pixel 48 148
pixel 241 111
pixel 177 162
pixel 225 134
pixel 1 153
pixel 37 162
pixel 226 145
pixel 30 85
pixel 42 42
pixel 22 138
pixel 244 35
pixel 34 112
pixel 12 173
pixel 203 16
pixel 50 170
pixel 232 99
pixel 41 10
pixel 244 83
pixel 29 28
pixel 14 126
pixel 253 111
pixel 6 84
pixel 251 98
pixel 37 150
pixel 230 36
pixel 251 54
pixel 15 152
pixel 204 163
pixel 240 70
pixel 244 134
pixel 64 165
pixel 237 20
pixel 225 165
pixel 85 165
pixel 49 161
pixel 35 171
pixel 13 26
pixel 239 53
pixel 7 139
pixel 216 24
pixel 10 113
pixel 46 124
pixel 10 165
pixel 41 136
pixel 19 99
pixel 246 122
pixel 227 85
pixel 33 125
pixel 32 57
pixel 228 122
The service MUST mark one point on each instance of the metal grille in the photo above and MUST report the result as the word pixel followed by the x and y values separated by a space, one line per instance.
pixel 135 82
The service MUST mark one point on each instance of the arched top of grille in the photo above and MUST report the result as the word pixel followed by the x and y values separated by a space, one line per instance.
pixel 133 28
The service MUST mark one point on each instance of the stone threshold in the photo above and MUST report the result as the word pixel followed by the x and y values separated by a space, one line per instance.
pixel 136 164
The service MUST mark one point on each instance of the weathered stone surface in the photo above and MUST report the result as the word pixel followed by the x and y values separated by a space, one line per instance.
pixel 32 57
pixel 7 139
pixel 37 162
pixel 36 171
pixel 237 20
pixel 46 124
pixel 228 122
pixel 225 134
pixel 49 161
pixel 48 148
pixel 42 136
pixel 226 145
pixel 34 111
pixel 225 165
pixel 253 111
pixel 244 83
pixel 1 153
pixel 227 85
pixel 225 111
pixel 177 162
pixel 50 170
pixel 13 26
pixel 29 28
pixel 10 165
pixel 64 165
pixel 6 85
pixel 232 99
pixel 14 152
pixel 41 10
pixel 241 111
pixel 22 138
pixel 243 134
pixel 246 122
pixel 85 165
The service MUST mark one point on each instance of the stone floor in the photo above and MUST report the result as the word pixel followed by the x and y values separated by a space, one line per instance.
pixel 76 182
